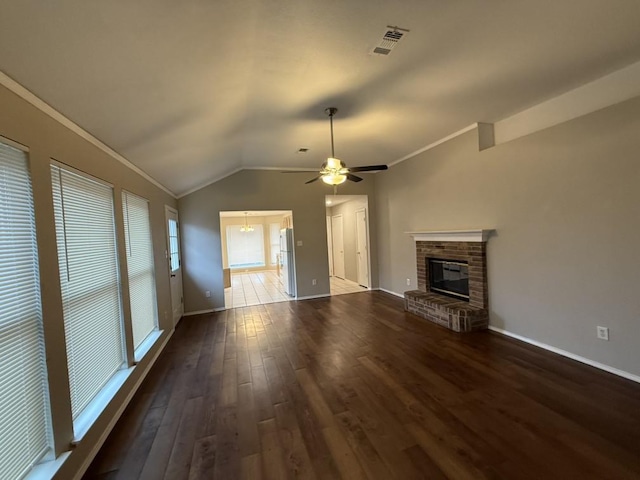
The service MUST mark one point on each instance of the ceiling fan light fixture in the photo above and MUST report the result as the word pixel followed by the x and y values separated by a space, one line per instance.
pixel 334 179
pixel 333 164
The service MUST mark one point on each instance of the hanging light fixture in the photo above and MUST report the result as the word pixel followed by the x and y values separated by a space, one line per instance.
pixel 246 227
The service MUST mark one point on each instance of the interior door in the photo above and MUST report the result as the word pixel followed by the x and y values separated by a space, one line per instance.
pixel 330 245
pixel 337 237
pixel 362 248
pixel 175 263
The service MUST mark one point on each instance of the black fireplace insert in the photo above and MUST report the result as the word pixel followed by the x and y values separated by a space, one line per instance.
pixel 449 277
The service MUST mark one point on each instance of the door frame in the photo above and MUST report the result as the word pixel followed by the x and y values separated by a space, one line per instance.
pixel 330 245
pixel 364 210
pixel 344 272
pixel 167 211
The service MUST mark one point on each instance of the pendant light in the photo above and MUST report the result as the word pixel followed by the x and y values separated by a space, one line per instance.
pixel 246 227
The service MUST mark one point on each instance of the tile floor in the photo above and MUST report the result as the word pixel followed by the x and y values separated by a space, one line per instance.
pixel 340 286
pixel 259 288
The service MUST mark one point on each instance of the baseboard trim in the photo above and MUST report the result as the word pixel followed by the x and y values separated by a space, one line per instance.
pixel 401 295
pixel 112 423
pixel 200 312
pixel 564 353
pixel 311 297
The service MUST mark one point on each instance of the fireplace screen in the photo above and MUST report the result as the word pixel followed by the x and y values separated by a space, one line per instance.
pixel 449 277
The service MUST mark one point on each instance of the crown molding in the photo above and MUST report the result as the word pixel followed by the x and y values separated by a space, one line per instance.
pixel 44 107
pixel 209 182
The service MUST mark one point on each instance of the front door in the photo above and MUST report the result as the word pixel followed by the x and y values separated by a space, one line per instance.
pixel 362 248
pixel 175 264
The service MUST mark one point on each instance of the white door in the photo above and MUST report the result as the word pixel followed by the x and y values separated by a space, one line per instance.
pixel 362 248
pixel 175 264
pixel 330 245
pixel 338 246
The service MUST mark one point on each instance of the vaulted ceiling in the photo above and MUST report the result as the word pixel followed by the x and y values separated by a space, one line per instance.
pixel 190 91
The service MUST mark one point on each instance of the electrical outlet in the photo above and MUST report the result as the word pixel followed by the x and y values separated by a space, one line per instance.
pixel 313 282
pixel 603 333
pixel 408 281
pixel 208 293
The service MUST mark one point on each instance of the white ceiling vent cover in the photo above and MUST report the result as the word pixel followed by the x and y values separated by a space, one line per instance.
pixel 391 37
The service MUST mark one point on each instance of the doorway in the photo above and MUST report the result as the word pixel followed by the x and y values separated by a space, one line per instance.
pixel 257 257
pixel 175 263
pixel 348 243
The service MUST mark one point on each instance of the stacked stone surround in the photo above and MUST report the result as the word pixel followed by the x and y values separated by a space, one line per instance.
pixel 456 315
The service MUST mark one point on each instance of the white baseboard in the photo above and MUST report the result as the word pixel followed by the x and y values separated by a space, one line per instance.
pixel 310 297
pixel 200 312
pixel 390 292
pixel 103 437
pixel 564 353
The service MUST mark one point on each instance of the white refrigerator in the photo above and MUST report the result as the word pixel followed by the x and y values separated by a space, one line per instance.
pixel 287 261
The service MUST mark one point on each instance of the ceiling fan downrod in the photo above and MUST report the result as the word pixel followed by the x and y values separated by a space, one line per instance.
pixel 331 111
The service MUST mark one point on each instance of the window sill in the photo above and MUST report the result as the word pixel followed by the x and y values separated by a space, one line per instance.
pixel 146 345
pixel 46 470
pixel 87 418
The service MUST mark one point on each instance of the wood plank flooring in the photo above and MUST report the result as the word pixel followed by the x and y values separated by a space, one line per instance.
pixel 353 387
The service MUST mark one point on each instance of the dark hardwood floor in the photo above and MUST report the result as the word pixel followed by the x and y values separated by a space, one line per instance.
pixel 353 387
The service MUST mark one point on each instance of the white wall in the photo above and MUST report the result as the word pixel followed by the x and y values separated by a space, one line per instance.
pixel 566 206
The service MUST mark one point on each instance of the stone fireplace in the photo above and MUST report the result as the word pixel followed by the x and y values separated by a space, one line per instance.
pixel 464 248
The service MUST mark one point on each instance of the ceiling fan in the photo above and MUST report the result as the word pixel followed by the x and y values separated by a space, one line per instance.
pixel 335 171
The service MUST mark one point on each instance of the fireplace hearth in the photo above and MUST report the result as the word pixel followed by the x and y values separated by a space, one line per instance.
pixel 452 279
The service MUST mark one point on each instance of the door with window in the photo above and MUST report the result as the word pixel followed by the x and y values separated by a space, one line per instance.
pixel 175 264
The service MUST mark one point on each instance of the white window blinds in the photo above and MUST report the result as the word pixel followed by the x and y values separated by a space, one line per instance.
pixel 24 419
pixel 142 287
pixel 85 233
pixel 245 249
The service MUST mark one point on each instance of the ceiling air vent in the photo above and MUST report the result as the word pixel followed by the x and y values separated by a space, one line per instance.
pixel 391 37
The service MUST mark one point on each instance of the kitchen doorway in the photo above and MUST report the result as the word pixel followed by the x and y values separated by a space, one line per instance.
pixel 257 257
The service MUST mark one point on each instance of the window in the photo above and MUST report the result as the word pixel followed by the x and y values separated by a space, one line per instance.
pixel 24 417
pixel 142 287
pixel 85 234
pixel 274 235
pixel 174 256
pixel 245 249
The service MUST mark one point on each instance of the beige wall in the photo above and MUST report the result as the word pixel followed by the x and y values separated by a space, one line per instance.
pixel 46 139
pixel 348 211
pixel 255 190
pixel 566 206
pixel 253 220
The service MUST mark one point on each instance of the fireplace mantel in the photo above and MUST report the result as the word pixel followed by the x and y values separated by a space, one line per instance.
pixel 451 235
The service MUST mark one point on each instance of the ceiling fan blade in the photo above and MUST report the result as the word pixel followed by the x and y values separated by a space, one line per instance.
pixel 314 179
pixel 296 171
pixel 369 168
pixel 353 178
